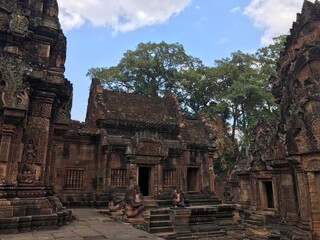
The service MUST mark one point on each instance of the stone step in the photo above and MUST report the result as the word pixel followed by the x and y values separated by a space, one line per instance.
pixel 160 217
pixel 257 217
pixel 160 211
pixel 211 233
pixel 167 235
pixel 160 223
pixel 191 237
pixel 165 229
pixel 150 203
pixel 254 222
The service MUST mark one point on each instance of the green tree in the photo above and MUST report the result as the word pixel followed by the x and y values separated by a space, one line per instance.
pixel 243 96
pixel 151 69
pixel 196 91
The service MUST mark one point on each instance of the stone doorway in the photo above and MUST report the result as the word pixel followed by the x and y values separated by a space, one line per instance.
pixel 144 180
pixel 267 195
pixel 192 179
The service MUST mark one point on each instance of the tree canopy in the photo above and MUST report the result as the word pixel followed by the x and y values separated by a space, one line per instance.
pixel 151 69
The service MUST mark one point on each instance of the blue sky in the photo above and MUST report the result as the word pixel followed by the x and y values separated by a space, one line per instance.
pixel 99 31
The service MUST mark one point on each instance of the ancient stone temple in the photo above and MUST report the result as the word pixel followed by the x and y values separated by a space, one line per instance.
pixel 34 106
pixel 129 139
pixel 280 187
pixel 133 154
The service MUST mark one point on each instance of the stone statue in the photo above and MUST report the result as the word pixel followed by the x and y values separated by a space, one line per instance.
pixel 27 172
pixel 30 153
pixel 133 203
pixel 115 203
pixel 177 199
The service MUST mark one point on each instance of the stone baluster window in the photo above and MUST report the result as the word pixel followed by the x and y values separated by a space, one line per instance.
pixel 74 178
pixel 169 177
pixel 118 177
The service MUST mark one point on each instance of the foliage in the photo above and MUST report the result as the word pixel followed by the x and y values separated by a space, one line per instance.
pixel 151 69
pixel 244 94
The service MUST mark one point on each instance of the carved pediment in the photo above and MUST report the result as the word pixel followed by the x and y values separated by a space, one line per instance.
pixel 146 143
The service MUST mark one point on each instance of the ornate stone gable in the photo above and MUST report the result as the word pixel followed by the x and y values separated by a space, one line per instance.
pixel 14 89
pixel 146 143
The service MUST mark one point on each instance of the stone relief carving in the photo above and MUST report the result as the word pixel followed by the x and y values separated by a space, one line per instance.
pixel 19 24
pixel 28 172
pixel 297 89
pixel 14 91
pixel 308 37
pixel 147 143
pixel 22 94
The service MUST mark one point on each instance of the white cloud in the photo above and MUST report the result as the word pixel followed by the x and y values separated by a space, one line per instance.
pixel 120 15
pixel 273 16
pixel 235 9
pixel 222 41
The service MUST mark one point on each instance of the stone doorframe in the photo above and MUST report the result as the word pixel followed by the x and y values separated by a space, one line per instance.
pixel 146 178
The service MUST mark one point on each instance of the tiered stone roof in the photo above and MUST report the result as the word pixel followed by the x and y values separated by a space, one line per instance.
pixel 138 108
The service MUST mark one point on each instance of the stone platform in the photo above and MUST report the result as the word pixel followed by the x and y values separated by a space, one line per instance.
pixel 88 224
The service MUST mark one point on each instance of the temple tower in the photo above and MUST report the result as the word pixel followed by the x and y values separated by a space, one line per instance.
pixel 297 89
pixel 35 104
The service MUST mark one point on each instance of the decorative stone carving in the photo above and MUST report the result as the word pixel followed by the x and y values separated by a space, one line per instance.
pixel 115 203
pixel 146 143
pixel 19 24
pixel 133 203
pixel 31 40
pixel 178 198
pixel 28 172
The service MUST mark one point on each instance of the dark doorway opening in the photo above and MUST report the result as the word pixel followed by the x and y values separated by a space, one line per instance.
pixel 144 179
pixel 192 179
pixel 269 193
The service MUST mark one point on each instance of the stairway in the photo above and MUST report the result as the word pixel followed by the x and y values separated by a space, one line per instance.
pixel 160 223
pixel 150 203
pixel 201 199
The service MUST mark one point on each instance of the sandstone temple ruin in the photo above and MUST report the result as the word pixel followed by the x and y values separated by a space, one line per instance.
pixel 48 160
pixel 280 187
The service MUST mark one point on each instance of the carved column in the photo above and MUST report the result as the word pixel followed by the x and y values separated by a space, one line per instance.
pixel 5 147
pixel 38 132
pixel 10 145
pixel 303 195
pixel 160 179
pixel 314 202
pixel 212 157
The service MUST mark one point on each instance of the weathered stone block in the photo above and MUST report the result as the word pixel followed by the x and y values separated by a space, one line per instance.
pixel 44 221
pixel 9 225
pixel 6 211
pixel 24 223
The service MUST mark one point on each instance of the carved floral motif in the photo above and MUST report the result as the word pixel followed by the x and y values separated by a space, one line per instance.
pixel 19 24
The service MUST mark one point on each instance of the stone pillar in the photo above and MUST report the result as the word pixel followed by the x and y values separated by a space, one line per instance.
pixel 303 196
pixel 314 202
pixel 5 147
pixel 156 180
pixel 212 157
pixel 160 179
pixel 37 133
pixel 10 145
pixel 180 221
